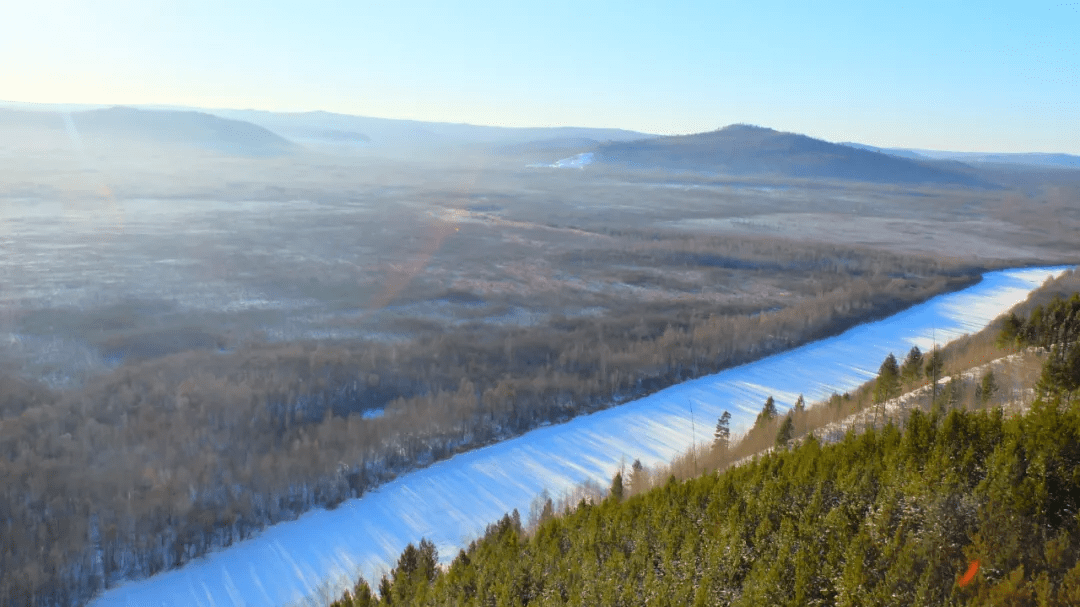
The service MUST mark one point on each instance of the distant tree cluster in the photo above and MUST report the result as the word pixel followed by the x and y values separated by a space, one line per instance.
pixel 1055 328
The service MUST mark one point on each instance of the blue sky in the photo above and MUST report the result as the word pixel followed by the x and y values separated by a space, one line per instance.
pixel 996 76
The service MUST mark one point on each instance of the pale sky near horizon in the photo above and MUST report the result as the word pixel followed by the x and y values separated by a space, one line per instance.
pixel 992 76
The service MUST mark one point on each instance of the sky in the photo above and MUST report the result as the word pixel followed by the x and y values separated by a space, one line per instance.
pixel 991 76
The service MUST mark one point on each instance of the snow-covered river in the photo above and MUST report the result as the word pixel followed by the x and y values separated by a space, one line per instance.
pixel 315 557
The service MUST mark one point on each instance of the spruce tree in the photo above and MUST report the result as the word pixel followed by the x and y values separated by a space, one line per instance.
pixel 912 368
pixel 768 412
pixel 616 491
pixel 786 432
pixel 722 436
pixel 888 381
pixel 934 364
pixel 987 387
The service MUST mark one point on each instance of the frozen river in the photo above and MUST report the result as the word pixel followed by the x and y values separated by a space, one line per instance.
pixel 451 502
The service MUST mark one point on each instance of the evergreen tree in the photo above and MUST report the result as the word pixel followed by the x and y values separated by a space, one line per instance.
pixel 1061 371
pixel 385 590
pixel 885 517
pixel 1011 331
pixel 768 413
pixel 912 368
pixel 722 436
pixel 359 596
pixel 786 432
pixel 934 364
pixel 548 511
pixel 950 396
pixel 987 387
pixel 800 405
pixel 892 516
pixel 616 491
pixel 638 478
pixel 888 381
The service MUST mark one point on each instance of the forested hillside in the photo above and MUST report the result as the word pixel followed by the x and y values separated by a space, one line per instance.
pixel 741 149
pixel 957 507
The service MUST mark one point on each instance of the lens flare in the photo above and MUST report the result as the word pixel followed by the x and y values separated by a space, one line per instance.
pixel 969 575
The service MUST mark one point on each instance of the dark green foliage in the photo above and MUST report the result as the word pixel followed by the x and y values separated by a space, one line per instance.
pixel 949 396
pixel 767 414
pixel 616 491
pixel 1010 331
pixel 786 432
pixel 888 382
pixel 1055 328
pixel 885 517
pixel 800 405
pixel 987 387
pixel 359 596
pixel 722 436
pixel 934 364
pixel 912 368
pixel 1056 324
pixel 1062 370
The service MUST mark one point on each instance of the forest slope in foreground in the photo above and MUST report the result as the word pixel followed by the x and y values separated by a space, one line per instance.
pixel 952 506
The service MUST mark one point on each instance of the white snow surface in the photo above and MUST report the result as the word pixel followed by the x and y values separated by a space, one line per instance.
pixel 577 161
pixel 313 559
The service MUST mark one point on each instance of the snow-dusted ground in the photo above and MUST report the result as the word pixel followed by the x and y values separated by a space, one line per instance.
pixel 1015 393
pixel 315 557
pixel 577 161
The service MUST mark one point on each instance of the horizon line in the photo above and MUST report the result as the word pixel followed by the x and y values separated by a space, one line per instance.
pixel 83 106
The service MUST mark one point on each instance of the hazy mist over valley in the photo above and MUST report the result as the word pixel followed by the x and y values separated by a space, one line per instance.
pixel 349 304
pixel 262 261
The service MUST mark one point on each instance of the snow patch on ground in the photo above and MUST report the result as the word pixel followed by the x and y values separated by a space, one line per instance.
pixel 314 558
pixel 897 408
pixel 577 161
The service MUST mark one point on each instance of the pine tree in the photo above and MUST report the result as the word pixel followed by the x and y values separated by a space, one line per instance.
pixel 987 387
pixel 360 596
pixel 888 381
pixel 786 432
pixel 616 491
pixel 768 412
pixel 637 477
pixel 1010 331
pixel 912 368
pixel 722 436
pixel 934 364
pixel 800 405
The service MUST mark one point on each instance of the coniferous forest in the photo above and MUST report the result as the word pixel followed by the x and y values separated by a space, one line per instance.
pixel 954 508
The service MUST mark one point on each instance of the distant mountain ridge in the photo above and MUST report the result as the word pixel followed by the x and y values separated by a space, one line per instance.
pixel 121 127
pixel 183 128
pixel 1042 159
pixel 558 145
pixel 258 132
pixel 752 150
pixel 737 149
pixel 392 132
